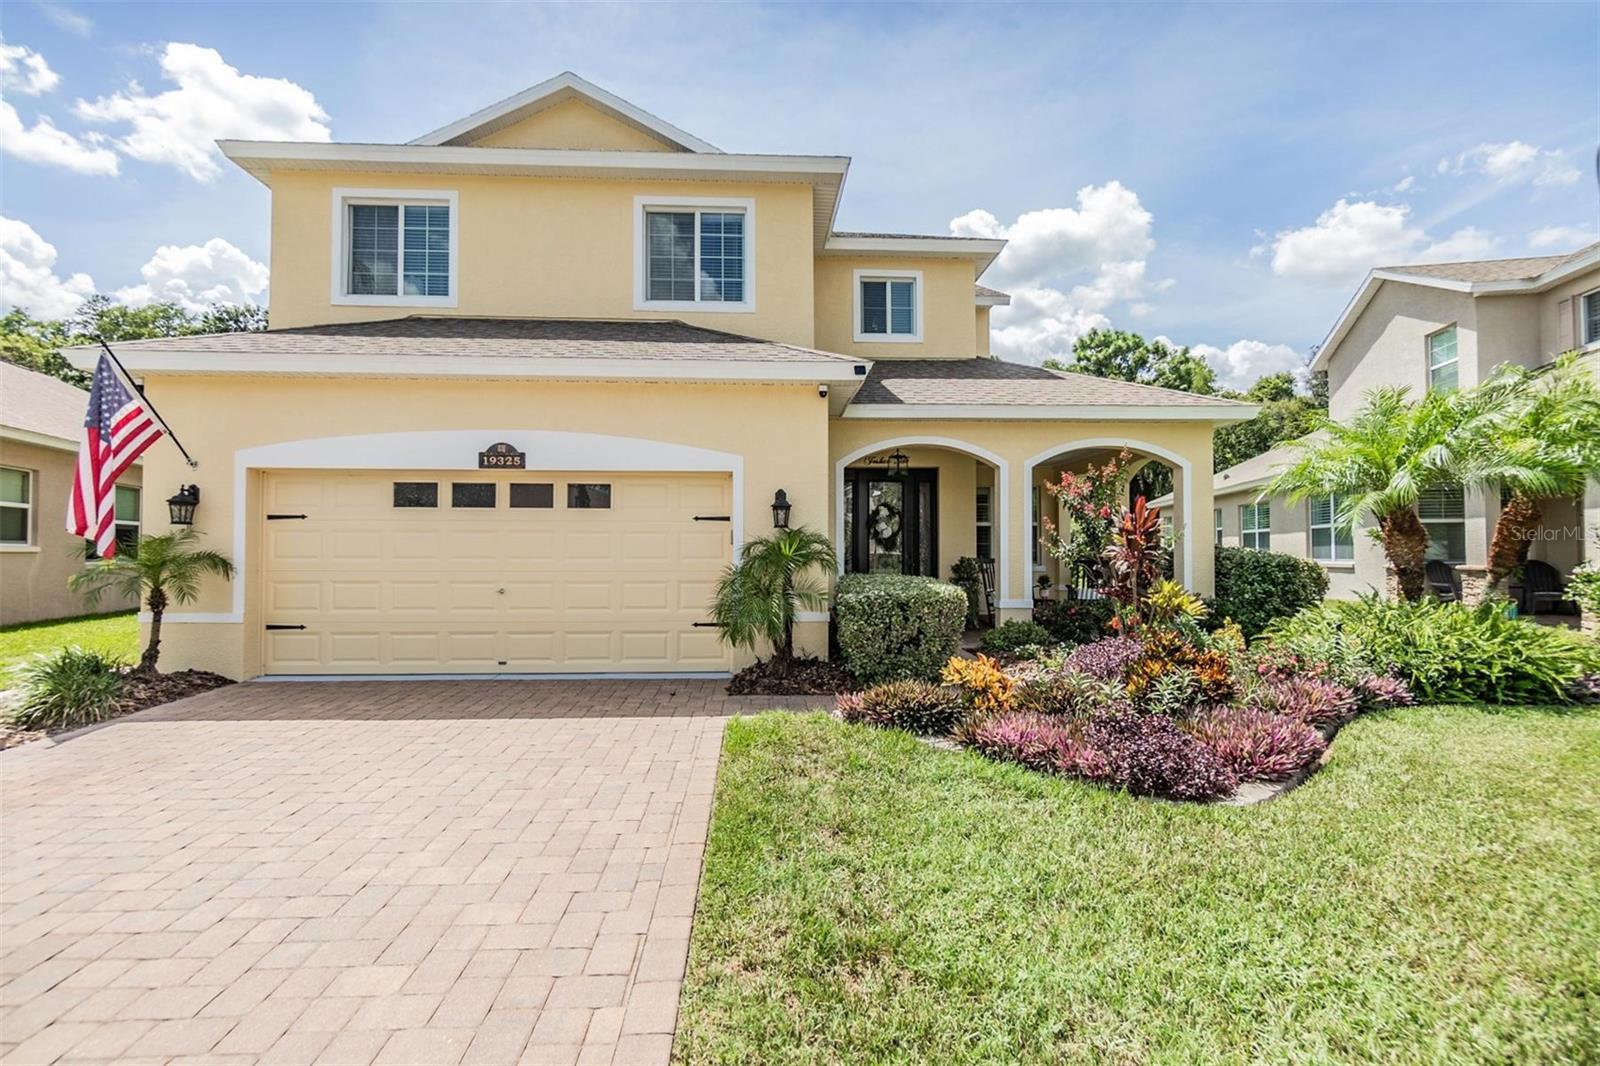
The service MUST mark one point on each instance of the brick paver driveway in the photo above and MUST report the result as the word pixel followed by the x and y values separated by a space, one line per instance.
pixel 407 872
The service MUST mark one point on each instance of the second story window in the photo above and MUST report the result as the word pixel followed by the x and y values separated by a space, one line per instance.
pixel 1590 320
pixel 1443 363
pixel 695 255
pixel 888 306
pixel 395 247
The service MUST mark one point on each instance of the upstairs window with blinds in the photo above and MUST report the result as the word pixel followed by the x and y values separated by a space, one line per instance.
pixel 1330 544
pixel 1444 365
pixel 695 256
pixel 1443 511
pixel 398 251
pixel 887 308
pixel 1590 319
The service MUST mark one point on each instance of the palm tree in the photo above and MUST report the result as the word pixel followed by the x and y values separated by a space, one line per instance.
pixel 164 568
pixel 1378 464
pixel 1532 435
pixel 758 597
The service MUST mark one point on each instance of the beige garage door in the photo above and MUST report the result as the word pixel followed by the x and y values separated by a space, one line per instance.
pixel 422 572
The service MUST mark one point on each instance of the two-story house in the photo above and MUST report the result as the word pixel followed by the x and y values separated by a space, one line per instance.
pixel 533 377
pixel 1430 326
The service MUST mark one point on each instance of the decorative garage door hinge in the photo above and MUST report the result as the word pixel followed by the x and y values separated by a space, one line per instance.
pixel 704 625
pixel 282 517
pixel 713 518
pixel 274 625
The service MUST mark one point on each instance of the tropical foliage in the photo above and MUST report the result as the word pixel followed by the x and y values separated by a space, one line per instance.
pixel 776 576
pixel 72 687
pixel 166 568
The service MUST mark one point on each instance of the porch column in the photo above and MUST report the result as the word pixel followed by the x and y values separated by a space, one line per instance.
pixel 1014 580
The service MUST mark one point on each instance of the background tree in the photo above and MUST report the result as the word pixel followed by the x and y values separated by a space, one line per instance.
pixel 758 596
pixel 35 344
pixel 1379 463
pixel 1126 356
pixel 1285 415
pixel 166 568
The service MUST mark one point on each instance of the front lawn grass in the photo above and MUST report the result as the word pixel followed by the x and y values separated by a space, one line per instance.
pixel 114 634
pixel 1433 895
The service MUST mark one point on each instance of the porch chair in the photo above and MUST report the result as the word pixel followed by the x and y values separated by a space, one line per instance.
pixel 1542 588
pixel 986 575
pixel 1442 581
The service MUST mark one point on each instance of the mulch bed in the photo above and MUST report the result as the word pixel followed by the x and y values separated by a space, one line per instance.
pixel 805 677
pixel 139 692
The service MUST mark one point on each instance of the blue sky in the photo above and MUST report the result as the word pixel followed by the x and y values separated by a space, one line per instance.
pixel 1221 175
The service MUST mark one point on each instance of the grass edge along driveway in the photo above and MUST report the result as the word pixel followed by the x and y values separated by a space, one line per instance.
pixel 1430 895
pixel 115 634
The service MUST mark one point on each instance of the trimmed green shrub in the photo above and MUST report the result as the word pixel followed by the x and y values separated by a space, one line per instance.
pixel 1448 653
pixel 916 706
pixel 1013 637
pixel 1075 621
pixel 73 687
pixel 891 627
pixel 1255 587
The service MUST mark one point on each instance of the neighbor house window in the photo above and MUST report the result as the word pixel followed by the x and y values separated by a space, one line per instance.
pixel 16 506
pixel 395 247
pixel 1216 517
pixel 1443 511
pixel 888 306
pixel 695 253
pixel 1590 325
pixel 126 521
pixel 983 508
pixel 1330 544
pixel 1255 525
pixel 1444 366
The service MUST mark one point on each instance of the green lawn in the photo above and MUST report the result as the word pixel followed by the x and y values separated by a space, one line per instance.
pixel 1433 895
pixel 117 634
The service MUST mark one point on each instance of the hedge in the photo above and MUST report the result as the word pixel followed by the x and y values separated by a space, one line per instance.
pixel 1255 587
pixel 891 627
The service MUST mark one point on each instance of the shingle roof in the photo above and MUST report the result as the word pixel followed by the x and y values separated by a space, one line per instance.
pixel 39 403
pixel 1492 269
pixel 527 338
pixel 984 290
pixel 993 381
pixel 907 236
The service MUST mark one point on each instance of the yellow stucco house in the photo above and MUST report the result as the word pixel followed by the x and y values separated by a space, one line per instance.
pixel 533 377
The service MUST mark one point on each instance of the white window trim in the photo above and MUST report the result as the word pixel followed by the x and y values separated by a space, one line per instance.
pixel 339 231
pixel 1427 355
pixel 1462 522
pixel 741 205
pixel 1216 514
pixel 31 483
pixel 915 336
pixel 1250 535
pixel 1332 526
pixel 1584 342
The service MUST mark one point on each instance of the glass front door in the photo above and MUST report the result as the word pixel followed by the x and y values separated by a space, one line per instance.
pixel 891 522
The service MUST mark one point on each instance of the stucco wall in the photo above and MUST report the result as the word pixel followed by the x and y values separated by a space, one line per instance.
pixel 33 579
pixel 1558 314
pixel 1387 344
pixel 745 420
pixel 947 323
pixel 573 124
pixel 544 247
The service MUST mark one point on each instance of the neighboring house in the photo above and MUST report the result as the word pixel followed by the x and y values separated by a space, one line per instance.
pixel 41 420
pixel 1429 326
pixel 534 376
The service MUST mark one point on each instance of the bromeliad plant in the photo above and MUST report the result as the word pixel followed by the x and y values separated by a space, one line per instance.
pixel 757 597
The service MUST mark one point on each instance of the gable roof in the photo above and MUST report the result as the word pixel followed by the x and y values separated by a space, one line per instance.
pixel 38 405
pixel 564 86
pixel 449 345
pixel 987 297
pixel 1482 277
pixel 992 388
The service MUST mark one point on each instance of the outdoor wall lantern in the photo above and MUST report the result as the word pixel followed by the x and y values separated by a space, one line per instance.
pixel 897 462
pixel 181 506
pixel 780 510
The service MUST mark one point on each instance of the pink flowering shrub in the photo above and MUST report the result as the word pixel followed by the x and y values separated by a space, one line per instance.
pixel 1255 745
pixel 1306 699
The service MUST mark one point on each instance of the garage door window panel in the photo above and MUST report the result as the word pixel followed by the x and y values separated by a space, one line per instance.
pixel 470 494
pixel 524 494
pixel 416 494
pixel 589 496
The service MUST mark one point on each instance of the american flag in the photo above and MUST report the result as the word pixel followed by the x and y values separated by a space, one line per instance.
pixel 117 429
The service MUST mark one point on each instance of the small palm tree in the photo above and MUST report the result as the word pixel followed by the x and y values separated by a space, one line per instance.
pixel 758 596
pixel 1533 435
pixel 165 568
pixel 1379 463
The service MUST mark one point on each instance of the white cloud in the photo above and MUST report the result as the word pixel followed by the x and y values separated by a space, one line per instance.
pixel 23 70
pixel 213 100
pixel 1065 268
pixel 1514 163
pixel 1405 184
pixel 1349 239
pixel 1561 237
pixel 196 276
pixel 28 274
pixel 67 19
pixel 1242 362
pixel 44 143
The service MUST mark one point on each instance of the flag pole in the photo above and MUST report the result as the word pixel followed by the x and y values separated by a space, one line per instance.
pixel 129 379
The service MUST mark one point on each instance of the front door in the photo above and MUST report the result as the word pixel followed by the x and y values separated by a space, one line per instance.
pixel 891 522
